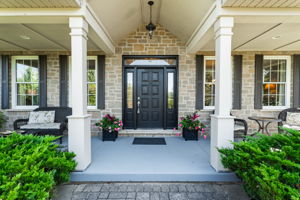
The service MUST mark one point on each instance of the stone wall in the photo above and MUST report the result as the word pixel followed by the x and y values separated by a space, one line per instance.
pixel 162 43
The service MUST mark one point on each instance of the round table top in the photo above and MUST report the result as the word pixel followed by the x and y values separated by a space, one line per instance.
pixel 265 119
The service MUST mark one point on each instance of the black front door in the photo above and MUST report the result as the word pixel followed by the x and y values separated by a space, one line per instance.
pixel 150 98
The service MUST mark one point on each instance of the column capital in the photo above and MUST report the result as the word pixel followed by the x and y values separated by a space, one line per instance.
pixel 78 26
pixel 223 26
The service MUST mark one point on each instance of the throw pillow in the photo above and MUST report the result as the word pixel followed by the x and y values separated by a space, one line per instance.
pixel 41 117
pixel 293 118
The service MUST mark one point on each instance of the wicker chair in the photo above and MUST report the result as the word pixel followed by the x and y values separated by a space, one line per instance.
pixel 282 115
pixel 61 114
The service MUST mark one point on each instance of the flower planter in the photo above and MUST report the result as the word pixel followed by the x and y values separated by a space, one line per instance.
pixel 189 134
pixel 109 136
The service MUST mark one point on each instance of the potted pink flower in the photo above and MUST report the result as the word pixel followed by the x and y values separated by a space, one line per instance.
pixel 191 125
pixel 110 126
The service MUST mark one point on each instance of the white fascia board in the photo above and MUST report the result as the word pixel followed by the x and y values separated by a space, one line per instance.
pixel 198 38
pixel 101 36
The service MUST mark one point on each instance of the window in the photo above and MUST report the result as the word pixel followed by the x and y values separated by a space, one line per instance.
pixel 276 73
pixel 92 83
pixel 25 82
pixel 171 90
pixel 209 82
pixel 130 90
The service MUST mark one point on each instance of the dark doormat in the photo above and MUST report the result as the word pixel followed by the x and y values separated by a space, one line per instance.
pixel 149 141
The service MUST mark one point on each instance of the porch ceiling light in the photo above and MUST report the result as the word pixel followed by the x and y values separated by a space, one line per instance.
pixel 25 37
pixel 150 27
pixel 276 37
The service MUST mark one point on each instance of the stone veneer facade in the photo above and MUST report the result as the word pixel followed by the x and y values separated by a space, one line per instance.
pixel 163 43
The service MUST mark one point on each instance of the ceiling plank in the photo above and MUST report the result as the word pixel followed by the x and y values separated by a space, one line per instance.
pixel 16 45
pixel 47 38
pixel 259 35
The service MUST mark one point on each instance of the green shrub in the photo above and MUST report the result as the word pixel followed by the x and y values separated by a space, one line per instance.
pixel 268 165
pixel 30 166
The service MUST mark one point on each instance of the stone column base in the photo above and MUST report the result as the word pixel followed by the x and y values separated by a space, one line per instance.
pixel 222 134
pixel 79 140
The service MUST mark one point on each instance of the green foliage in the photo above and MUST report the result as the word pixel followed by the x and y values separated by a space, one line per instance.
pixel 30 166
pixel 191 122
pixel 269 165
pixel 3 119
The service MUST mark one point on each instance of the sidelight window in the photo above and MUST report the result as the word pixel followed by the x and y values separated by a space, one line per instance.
pixel 129 90
pixel 170 90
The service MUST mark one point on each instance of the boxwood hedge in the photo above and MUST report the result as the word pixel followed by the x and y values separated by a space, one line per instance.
pixel 30 166
pixel 268 165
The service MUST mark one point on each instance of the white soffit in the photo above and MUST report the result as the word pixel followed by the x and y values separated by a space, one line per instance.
pixel 48 37
pixel 262 37
pixel 262 3
pixel 40 3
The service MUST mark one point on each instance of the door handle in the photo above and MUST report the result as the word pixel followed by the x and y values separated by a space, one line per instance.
pixel 138 105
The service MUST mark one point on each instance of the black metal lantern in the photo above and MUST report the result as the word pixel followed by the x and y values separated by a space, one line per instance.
pixel 150 27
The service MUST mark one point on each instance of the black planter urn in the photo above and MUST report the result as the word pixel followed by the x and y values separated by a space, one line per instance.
pixel 190 134
pixel 109 136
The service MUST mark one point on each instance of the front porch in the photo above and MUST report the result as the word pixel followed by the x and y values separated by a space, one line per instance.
pixel 177 161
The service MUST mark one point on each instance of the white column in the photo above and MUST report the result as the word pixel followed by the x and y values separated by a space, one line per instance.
pixel 79 122
pixel 222 124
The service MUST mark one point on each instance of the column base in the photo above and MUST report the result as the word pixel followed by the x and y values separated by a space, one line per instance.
pixel 79 140
pixel 222 134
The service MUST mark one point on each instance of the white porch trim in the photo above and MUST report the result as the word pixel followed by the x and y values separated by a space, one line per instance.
pixel 222 124
pixel 79 122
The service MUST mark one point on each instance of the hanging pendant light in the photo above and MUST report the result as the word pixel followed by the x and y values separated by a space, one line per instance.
pixel 150 27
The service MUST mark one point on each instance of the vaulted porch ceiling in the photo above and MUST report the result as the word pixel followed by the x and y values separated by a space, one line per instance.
pixel 122 17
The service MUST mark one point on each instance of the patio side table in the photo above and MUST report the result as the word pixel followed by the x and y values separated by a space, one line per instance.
pixel 264 122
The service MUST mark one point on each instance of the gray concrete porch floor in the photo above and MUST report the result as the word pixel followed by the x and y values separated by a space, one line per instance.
pixel 178 161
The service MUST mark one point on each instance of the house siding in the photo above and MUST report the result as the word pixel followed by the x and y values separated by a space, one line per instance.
pixel 163 43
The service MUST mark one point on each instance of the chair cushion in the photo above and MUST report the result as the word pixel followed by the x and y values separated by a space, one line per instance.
pixel 40 117
pixel 291 127
pixel 41 126
pixel 239 127
pixel 293 118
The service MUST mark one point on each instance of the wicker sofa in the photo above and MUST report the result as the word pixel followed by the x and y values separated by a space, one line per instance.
pixel 57 128
pixel 283 115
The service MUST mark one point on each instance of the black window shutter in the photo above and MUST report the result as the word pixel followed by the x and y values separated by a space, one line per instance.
pixel 258 82
pixel 296 81
pixel 101 82
pixel 63 79
pixel 4 60
pixel 199 81
pixel 43 80
pixel 237 81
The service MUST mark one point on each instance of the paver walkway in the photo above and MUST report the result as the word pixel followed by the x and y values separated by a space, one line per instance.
pixel 151 191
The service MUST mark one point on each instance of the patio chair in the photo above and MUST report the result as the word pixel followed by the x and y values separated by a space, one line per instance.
pixel 57 128
pixel 289 120
pixel 240 128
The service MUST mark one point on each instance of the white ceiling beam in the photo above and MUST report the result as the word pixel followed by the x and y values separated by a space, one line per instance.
pixel 100 35
pixel 198 38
